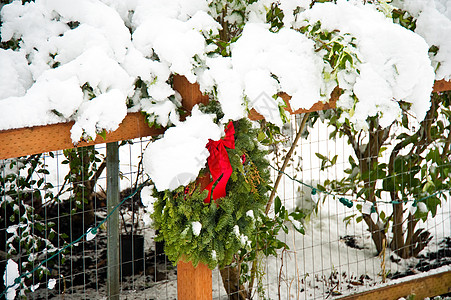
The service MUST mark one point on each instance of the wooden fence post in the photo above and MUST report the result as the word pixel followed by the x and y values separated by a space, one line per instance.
pixel 193 283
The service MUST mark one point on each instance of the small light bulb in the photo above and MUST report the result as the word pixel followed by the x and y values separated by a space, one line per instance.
pixel 315 196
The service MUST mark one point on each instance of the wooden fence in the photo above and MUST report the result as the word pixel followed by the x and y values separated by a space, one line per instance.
pixel 193 283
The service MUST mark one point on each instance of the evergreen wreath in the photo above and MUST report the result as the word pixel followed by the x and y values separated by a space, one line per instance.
pixel 212 233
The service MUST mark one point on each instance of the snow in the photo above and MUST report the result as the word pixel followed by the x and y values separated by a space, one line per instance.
pixel 58 92
pixel 34 287
pixel 244 240
pixel 15 77
pixel 82 62
pixel 88 54
pixel 9 278
pixel 176 159
pixel 313 259
pixel 433 23
pixel 147 201
pixel 289 7
pixel 288 55
pixel 366 207
pixel 427 22
pixel 422 207
pixel 236 231
pixel 197 227
pixel 161 112
pixel 314 197
pixel 257 58
pixel 110 45
pixel 51 284
pixel 103 112
pixel 185 43
pixel 220 73
pixel 394 61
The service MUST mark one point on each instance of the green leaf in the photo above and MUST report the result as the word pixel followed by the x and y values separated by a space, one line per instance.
pixel 382 216
pixel 334 160
pixel 433 155
pixel 388 184
pixel 277 205
pixel 320 156
pixel 103 134
pixel 285 229
pixel 348 219
pixel 432 204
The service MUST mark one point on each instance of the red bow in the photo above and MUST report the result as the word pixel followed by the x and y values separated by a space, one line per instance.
pixel 219 163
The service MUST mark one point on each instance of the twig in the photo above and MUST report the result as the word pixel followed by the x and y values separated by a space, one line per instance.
pixel 297 267
pixel 382 256
pixel 285 162
pixel 280 272
pixel 332 290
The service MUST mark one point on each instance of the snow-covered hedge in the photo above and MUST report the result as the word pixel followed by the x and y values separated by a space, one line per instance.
pixel 91 61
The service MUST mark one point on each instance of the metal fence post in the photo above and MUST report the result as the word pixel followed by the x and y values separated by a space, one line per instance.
pixel 113 264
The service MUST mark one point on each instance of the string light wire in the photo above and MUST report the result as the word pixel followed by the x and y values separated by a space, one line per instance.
pixel 349 203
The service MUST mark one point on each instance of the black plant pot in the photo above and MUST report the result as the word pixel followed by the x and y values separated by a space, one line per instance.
pixel 132 254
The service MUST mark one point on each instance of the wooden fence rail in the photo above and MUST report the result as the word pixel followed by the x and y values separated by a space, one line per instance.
pixel 419 288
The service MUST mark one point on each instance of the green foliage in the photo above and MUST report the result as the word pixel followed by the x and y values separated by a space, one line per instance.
pixel 83 163
pixel 274 17
pixel 404 19
pixel 418 171
pixel 232 16
pixel 270 228
pixel 339 49
pixel 23 189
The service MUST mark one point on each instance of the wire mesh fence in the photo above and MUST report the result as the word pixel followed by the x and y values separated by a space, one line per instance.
pixel 53 201
pixel 337 191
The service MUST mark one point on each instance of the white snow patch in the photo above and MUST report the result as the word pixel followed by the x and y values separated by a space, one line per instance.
pixel 176 159
pixel 422 207
pixel 15 77
pixel 9 278
pixel 260 56
pixel 366 207
pixel 105 111
pixel 148 201
pixel 229 87
pixel 433 23
pixel 51 284
pixel 34 287
pixel 197 227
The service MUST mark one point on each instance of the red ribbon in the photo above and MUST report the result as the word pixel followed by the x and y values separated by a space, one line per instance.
pixel 219 163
